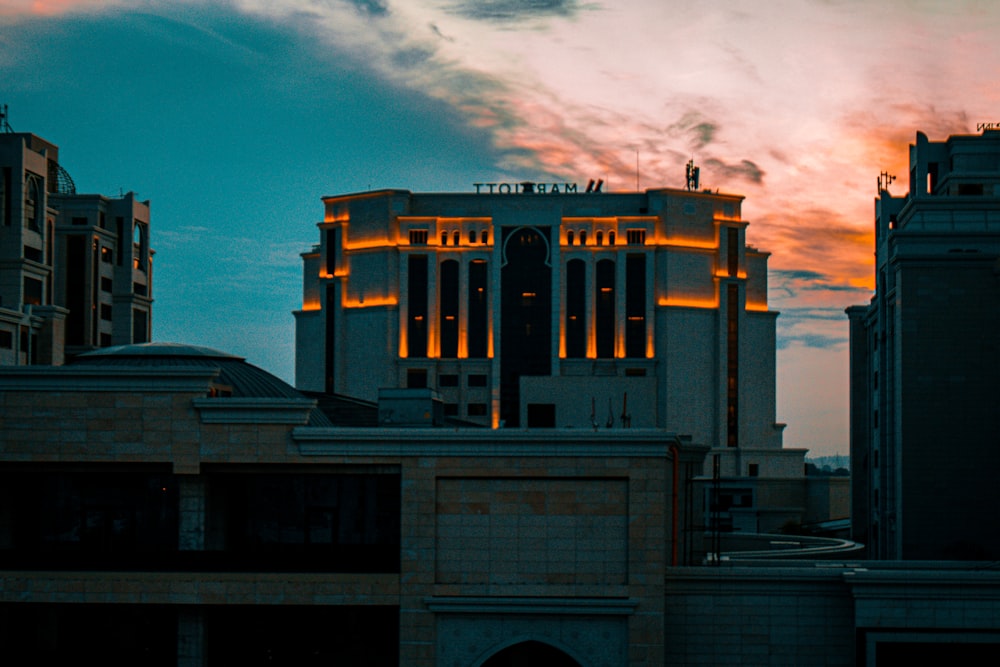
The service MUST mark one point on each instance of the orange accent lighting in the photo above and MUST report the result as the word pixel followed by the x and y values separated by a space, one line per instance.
pixel 370 302
pixel 689 303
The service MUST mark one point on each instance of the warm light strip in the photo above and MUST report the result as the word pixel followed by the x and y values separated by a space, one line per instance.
pixel 370 303
pixel 689 303
pixel 725 274
pixel 368 245
pixel 757 307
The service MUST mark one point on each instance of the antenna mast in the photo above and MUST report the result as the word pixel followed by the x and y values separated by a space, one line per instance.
pixel 4 124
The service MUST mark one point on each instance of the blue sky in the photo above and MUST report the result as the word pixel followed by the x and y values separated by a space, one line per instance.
pixel 235 117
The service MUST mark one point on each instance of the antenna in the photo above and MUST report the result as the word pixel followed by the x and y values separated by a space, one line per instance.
pixel 692 175
pixel 884 179
pixel 4 124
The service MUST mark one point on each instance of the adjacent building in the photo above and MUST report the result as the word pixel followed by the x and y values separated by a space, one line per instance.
pixel 75 270
pixel 541 305
pixel 925 358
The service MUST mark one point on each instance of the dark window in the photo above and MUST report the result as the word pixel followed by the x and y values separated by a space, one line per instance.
pixel 306 522
pixel 79 220
pixel 32 291
pixel 599 238
pixel 472 236
pixel 484 237
pixel 444 238
pixel 448 380
pixel 416 334
pixel 576 309
pixel 76 290
pixel 733 251
pixel 583 237
pixel 635 306
pixel 77 520
pixel 7 340
pixel 416 378
pixel 106 311
pixel 569 237
pixel 477 330
pixel 732 365
pixel 106 284
pixel 448 309
pixel 477 380
pixel 105 340
pixel 140 326
pixel 455 237
pixel 635 372
pixel 418 237
pixel 139 289
pixel 753 469
pixel 541 415
pixel 635 236
pixel 611 238
pixel 34 254
pixel 476 410
pixel 605 310
pixel 970 189
pixel 450 409
pixel 107 255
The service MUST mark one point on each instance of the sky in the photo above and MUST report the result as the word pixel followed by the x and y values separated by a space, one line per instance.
pixel 235 117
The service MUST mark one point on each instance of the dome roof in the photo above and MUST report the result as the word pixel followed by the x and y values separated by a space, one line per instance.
pixel 235 374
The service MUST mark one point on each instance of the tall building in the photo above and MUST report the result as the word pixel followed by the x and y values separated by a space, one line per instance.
pixel 75 270
pixel 925 358
pixel 548 305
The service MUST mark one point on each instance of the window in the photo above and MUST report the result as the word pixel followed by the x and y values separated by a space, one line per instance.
pixel 636 236
pixel 418 237
pixel 576 309
pixel 477 380
pixel 416 378
pixel 448 380
pixel 541 415
pixel 611 238
pixel 105 340
pixel 140 326
pixel 32 291
pixel 569 237
pixel 444 238
pixel 477 329
pixel 733 251
pixel 106 311
pixel 106 284
pixel 753 469
pixel 34 254
pixel 472 236
pixel 484 237
pixel 107 255
pixel 450 409
pixel 599 238
pixel 6 340
pixel 583 237
pixel 79 220
pixel 476 410
pixel 455 238
pixel 635 372
pixel 970 189
pixel 448 308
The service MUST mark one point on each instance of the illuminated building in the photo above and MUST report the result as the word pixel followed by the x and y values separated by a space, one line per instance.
pixel 925 360
pixel 544 305
pixel 75 270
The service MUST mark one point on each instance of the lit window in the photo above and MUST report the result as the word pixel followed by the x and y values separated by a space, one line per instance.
pixel 569 237
pixel 599 238
pixel 583 237
pixel 636 236
pixel 418 237
pixel 455 237
pixel 444 238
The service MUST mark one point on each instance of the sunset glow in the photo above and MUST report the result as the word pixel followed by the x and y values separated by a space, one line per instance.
pixel 250 112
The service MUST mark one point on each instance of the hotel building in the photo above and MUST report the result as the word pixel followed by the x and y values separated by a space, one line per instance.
pixel 75 269
pixel 544 305
pixel 925 360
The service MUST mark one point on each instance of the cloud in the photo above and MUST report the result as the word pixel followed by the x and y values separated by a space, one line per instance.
pixel 510 11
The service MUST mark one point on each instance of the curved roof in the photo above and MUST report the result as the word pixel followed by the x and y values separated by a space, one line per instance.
pixel 244 380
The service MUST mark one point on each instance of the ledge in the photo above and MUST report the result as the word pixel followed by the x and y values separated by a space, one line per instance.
pixel 491 605
pixel 237 410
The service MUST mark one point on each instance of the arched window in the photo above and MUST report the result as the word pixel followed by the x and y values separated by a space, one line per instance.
pixel 472 236
pixel 140 246
pixel 599 239
pixel 611 238
pixel 455 237
pixel 533 653
pixel 583 237
pixel 33 203
pixel 569 237
pixel 444 238
pixel 485 237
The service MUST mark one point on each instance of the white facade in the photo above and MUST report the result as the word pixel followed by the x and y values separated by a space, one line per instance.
pixel 559 309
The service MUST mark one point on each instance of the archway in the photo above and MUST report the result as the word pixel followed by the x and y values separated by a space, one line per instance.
pixel 530 653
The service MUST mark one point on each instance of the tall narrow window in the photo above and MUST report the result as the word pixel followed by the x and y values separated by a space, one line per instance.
pixel 732 365
pixel 583 237
pixel 599 238
pixel 472 236
pixel 478 325
pixel 455 237
pixel 576 309
pixel 416 326
pixel 605 312
pixel 733 250
pixel 569 237
pixel 418 237
pixel 635 306
pixel 448 309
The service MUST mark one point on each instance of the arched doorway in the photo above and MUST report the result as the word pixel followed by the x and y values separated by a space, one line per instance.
pixel 530 653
